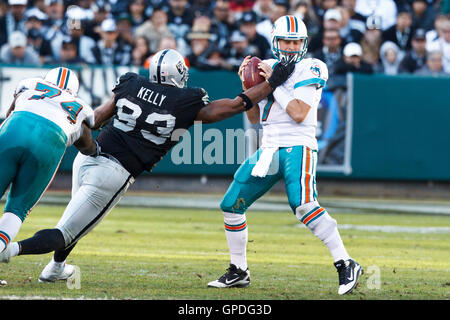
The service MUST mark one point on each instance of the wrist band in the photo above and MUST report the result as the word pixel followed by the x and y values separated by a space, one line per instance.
pixel 248 104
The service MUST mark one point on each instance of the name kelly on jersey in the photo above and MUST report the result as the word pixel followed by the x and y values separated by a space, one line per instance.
pixel 151 96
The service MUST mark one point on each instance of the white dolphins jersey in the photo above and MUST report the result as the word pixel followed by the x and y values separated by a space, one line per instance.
pixel 305 83
pixel 59 106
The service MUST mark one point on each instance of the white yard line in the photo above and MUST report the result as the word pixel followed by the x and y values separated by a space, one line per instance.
pixel 391 229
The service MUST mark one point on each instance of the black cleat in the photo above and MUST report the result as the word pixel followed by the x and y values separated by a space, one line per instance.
pixel 349 272
pixel 234 277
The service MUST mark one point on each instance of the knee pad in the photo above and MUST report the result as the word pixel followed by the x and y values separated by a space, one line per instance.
pixel 316 219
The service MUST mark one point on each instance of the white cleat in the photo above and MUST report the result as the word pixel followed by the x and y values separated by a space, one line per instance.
pixel 349 272
pixel 56 271
pixel 5 255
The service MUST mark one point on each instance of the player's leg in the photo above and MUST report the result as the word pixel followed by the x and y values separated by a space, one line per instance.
pixel 37 156
pixel 102 185
pixel 242 193
pixel 300 179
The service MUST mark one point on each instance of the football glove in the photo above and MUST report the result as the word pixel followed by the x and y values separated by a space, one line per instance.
pixel 281 72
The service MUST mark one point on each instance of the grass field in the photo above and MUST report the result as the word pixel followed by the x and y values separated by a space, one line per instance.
pixel 152 253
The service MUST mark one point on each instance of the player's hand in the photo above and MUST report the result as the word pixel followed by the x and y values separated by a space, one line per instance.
pixel 266 70
pixel 241 69
pixel 282 71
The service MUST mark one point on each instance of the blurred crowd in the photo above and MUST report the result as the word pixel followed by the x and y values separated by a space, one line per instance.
pixel 367 36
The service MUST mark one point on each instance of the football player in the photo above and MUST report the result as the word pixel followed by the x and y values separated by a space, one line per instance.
pixel 45 117
pixel 288 151
pixel 146 112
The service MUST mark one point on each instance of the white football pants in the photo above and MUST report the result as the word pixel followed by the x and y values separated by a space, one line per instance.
pixel 98 184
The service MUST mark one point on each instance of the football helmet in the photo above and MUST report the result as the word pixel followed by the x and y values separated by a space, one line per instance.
pixel 64 78
pixel 289 28
pixel 168 67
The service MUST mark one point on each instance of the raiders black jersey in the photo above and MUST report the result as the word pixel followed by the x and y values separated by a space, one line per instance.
pixel 146 115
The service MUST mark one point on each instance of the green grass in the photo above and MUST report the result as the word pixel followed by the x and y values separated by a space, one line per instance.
pixel 173 254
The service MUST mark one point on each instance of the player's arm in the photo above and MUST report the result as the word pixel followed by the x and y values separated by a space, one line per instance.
pixel 86 144
pixel 297 109
pixel 224 108
pixel 104 112
pixel 13 105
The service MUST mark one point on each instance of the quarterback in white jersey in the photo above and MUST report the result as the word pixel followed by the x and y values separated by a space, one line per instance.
pixel 44 119
pixel 289 152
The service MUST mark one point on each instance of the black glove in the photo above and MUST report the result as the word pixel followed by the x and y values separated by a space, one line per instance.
pixel 281 72
pixel 98 150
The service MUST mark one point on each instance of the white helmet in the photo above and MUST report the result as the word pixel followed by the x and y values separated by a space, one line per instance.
pixel 168 67
pixel 64 78
pixel 289 27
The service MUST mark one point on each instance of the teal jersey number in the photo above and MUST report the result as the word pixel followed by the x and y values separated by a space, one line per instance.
pixel 49 92
pixel 73 108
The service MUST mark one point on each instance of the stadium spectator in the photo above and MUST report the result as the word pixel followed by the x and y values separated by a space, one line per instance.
pixel 17 52
pixel 371 42
pixel 331 51
pixel 263 9
pixel 222 22
pixel 85 44
pixel 279 8
pixel 351 60
pixel 247 25
pixel 125 28
pixel 69 53
pixel 356 22
pixel 332 20
pixel 304 11
pixel 238 6
pixel 422 15
pixel 167 43
pixel 434 66
pixel 390 56
pixel 140 52
pixel 102 11
pixel 200 41
pixel 54 9
pixel 385 9
pixel 180 18
pixel 202 7
pixel 154 29
pixel 416 57
pixel 442 44
pixel 322 6
pixel 40 45
pixel 109 51
pixel 401 32
pixel 13 20
pixel 349 30
pixel 239 50
pixel 437 32
pixel 136 11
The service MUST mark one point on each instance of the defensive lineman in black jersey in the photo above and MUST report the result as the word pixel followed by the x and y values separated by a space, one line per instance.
pixel 144 114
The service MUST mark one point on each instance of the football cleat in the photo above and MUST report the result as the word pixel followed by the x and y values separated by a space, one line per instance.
pixel 349 272
pixel 56 271
pixel 5 255
pixel 234 277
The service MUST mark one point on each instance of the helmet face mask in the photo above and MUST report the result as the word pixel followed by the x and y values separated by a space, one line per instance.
pixel 63 78
pixel 289 28
pixel 168 67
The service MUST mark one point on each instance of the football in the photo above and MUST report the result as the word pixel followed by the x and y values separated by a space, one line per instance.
pixel 251 74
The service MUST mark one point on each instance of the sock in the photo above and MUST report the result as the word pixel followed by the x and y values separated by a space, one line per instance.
pixel 324 227
pixel 14 249
pixel 9 227
pixel 43 241
pixel 336 246
pixel 237 235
